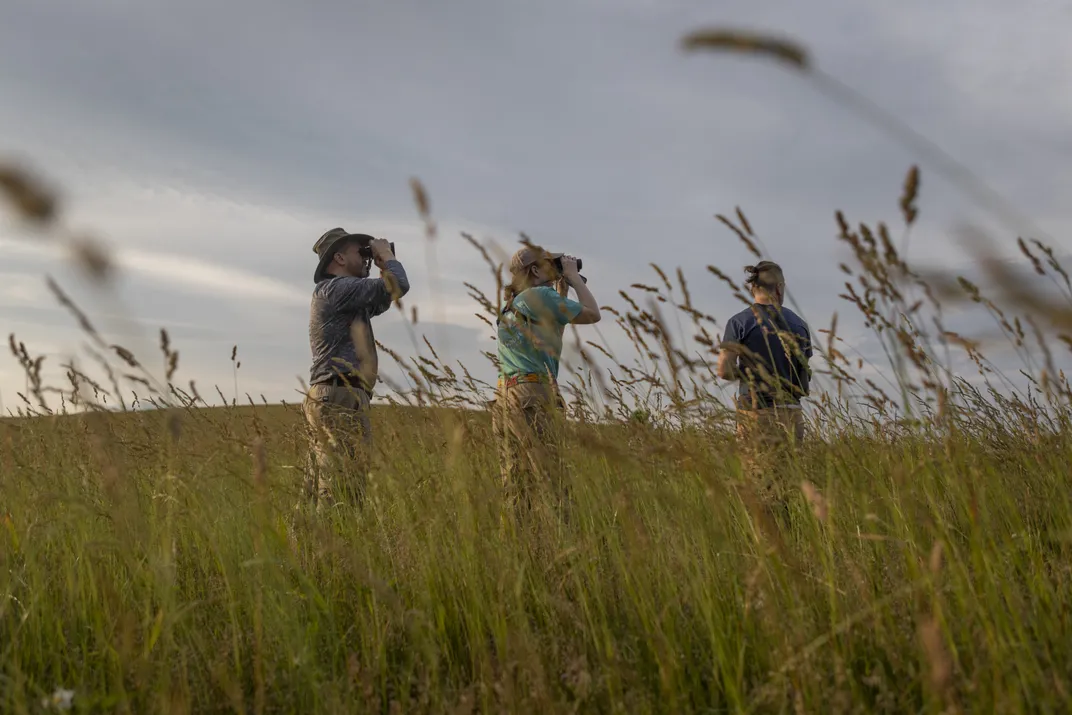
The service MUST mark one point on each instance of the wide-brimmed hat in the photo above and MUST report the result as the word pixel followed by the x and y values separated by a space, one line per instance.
pixel 327 245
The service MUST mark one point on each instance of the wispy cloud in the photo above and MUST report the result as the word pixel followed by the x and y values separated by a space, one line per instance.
pixel 190 272
pixel 170 269
pixel 211 167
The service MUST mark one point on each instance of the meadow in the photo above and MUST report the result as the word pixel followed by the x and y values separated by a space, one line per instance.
pixel 159 560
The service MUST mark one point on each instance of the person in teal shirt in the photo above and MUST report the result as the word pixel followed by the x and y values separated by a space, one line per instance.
pixel 527 409
pixel 537 353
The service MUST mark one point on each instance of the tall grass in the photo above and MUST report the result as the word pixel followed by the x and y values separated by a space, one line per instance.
pixel 161 560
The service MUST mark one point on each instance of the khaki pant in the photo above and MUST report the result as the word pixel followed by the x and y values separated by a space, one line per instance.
pixel 765 438
pixel 340 443
pixel 527 420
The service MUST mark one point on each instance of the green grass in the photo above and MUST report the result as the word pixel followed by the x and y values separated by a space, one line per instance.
pixel 151 573
pixel 155 561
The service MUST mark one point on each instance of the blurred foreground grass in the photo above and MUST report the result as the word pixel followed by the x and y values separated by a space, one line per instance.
pixel 154 562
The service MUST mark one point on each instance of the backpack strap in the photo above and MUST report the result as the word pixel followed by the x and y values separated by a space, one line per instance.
pixel 798 366
pixel 509 308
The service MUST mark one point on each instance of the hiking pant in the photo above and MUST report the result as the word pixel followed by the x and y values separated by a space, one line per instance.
pixel 765 437
pixel 527 421
pixel 340 444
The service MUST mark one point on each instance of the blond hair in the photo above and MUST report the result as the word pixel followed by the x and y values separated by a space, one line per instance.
pixel 520 266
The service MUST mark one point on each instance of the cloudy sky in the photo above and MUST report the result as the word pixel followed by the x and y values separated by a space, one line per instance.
pixel 209 144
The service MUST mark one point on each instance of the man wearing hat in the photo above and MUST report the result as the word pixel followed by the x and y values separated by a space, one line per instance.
pixel 527 408
pixel 344 369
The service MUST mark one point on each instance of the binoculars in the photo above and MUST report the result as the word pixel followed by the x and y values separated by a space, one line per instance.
pixel 558 264
pixel 364 249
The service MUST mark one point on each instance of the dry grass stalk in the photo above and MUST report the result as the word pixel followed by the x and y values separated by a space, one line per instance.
pixel 28 194
pixel 424 208
pixel 908 198
pixel 742 41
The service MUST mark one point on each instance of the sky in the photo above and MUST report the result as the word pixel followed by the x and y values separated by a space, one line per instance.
pixel 209 144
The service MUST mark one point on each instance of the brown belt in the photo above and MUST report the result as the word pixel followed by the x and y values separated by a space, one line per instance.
pixel 527 377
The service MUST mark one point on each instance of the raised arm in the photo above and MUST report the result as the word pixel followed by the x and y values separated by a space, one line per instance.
pixel 395 274
pixel 394 269
pixel 589 307
pixel 373 294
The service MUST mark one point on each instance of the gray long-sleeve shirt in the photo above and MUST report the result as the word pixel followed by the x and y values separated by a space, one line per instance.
pixel 341 313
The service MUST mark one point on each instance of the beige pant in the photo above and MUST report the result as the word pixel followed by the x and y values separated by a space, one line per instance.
pixel 765 438
pixel 527 421
pixel 340 443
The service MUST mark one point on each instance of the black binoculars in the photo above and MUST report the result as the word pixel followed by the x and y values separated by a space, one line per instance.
pixel 364 249
pixel 558 264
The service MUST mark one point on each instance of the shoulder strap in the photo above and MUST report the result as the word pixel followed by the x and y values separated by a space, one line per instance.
pixel 509 308
pixel 799 367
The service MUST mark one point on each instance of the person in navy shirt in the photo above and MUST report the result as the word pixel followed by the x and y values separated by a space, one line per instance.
pixel 766 349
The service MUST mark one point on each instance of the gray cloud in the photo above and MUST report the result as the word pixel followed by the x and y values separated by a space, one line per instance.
pixel 231 136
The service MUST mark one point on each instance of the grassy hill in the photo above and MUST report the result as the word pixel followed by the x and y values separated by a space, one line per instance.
pixel 159 561
pixel 155 561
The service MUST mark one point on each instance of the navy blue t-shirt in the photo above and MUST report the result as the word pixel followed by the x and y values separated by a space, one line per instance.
pixel 757 329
